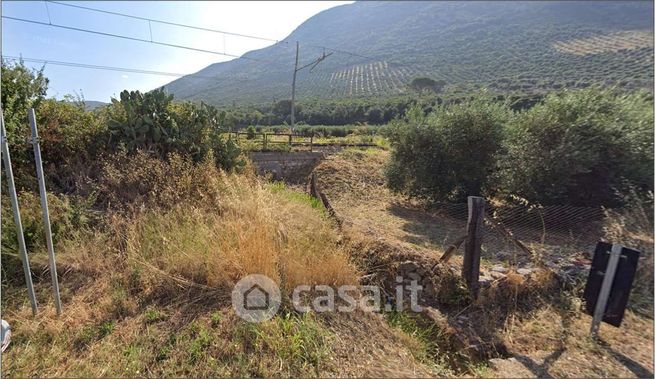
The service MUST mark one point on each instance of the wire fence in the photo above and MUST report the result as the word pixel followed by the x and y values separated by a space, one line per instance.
pixel 524 233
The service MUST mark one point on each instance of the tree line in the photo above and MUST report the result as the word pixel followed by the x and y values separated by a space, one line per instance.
pixel 582 148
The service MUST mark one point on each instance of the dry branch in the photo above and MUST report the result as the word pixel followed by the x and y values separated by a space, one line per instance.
pixel 451 249
pixel 507 233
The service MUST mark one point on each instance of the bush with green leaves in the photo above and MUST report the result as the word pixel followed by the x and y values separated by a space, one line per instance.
pixel 448 154
pixel 22 88
pixel 152 122
pixel 69 135
pixel 71 139
pixel 251 132
pixel 144 121
pixel 580 148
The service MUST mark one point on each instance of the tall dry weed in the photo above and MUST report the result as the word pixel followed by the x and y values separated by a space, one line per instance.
pixel 216 228
pixel 632 226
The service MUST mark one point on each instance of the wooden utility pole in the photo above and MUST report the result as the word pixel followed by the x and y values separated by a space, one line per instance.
pixel 473 244
pixel 313 63
pixel 293 91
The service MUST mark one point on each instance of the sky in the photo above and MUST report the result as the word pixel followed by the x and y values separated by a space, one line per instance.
pixel 269 19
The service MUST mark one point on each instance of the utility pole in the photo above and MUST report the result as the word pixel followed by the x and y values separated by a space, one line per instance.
pixel 313 63
pixel 293 90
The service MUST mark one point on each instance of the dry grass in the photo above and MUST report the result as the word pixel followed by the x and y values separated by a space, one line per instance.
pixel 254 230
pixel 146 293
pixel 532 319
pixel 557 343
pixel 633 227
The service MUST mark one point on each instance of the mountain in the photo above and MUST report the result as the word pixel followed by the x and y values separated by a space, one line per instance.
pixel 90 105
pixel 513 46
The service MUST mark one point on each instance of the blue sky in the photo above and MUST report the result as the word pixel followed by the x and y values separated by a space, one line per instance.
pixel 273 20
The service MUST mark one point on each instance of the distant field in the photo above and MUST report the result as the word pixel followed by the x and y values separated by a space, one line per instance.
pixel 504 63
pixel 614 42
pixel 370 79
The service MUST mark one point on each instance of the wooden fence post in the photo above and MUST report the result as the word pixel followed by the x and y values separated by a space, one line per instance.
pixel 313 192
pixel 473 243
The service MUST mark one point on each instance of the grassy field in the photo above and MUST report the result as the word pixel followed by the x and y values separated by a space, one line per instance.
pixel 545 329
pixel 146 291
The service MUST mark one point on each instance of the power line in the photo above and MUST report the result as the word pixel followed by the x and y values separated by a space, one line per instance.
pixel 413 67
pixel 101 67
pixel 137 39
pixel 165 22
pixel 340 51
pixel 286 43
pixel 207 29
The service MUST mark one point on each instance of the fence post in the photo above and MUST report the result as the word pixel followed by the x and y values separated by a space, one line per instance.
pixel 265 141
pixel 14 206
pixel 44 206
pixel 311 142
pixel 473 243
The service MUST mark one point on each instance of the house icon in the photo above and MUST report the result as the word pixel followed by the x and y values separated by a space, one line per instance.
pixel 256 298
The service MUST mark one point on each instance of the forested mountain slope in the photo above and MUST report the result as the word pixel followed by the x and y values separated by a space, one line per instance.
pixel 519 47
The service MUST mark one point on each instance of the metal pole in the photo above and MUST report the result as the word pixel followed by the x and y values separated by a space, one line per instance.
pixel 293 91
pixel 44 206
pixel 1 337
pixel 16 211
pixel 605 288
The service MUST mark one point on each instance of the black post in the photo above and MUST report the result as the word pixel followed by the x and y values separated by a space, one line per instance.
pixel 473 243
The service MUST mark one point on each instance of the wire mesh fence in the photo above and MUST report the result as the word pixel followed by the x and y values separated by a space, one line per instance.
pixel 523 232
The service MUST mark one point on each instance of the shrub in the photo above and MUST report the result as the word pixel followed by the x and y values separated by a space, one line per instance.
pixel 151 122
pixel 250 132
pixel 68 215
pixel 255 229
pixel 131 181
pixel 338 132
pixel 448 154
pixel 580 147
pixel 143 121
pixel 22 88
pixel 71 139
pixel 422 84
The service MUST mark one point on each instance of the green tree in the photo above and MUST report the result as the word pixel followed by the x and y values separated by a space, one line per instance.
pixel 580 147
pixel 424 84
pixel 22 88
pixel 448 154
pixel 250 132
pixel 153 123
